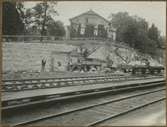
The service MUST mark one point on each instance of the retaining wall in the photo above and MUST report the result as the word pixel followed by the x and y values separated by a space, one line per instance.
pixel 27 56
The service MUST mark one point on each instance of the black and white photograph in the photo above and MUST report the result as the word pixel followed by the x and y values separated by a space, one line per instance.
pixel 83 63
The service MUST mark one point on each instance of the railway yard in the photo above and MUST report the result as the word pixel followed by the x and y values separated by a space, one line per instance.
pixel 64 65
pixel 78 90
pixel 82 100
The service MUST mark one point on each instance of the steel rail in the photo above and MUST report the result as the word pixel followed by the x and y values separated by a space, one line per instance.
pixel 124 112
pixel 19 85
pixel 80 93
pixel 70 77
pixel 37 99
pixel 91 106
pixel 29 84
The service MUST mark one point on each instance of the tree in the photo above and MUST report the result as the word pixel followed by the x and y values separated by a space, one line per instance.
pixel 56 28
pixel 25 15
pixel 12 23
pixel 161 42
pixel 41 15
pixel 127 26
pixel 120 22
pixel 119 19
pixel 153 34
pixel 129 35
pixel 134 31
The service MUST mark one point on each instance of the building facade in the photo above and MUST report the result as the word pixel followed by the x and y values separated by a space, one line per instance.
pixel 91 25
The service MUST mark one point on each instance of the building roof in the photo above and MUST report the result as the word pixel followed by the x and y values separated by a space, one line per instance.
pixel 90 12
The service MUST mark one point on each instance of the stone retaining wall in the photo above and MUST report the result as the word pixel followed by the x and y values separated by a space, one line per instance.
pixel 27 56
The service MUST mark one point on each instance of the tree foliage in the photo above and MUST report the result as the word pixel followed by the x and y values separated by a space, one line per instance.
pixel 42 15
pixel 153 34
pixel 38 19
pixel 56 28
pixel 136 32
pixel 25 15
pixel 12 23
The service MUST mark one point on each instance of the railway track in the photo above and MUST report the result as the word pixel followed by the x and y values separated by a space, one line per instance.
pixel 41 99
pixel 90 112
pixel 32 84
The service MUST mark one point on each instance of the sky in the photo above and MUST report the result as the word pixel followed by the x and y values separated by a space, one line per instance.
pixel 152 12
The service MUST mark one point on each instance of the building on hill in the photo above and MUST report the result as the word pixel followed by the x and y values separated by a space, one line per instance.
pixel 91 25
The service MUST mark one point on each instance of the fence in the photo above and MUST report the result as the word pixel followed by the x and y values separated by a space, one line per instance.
pixel 17 38
pixel 58 39
pixel 20 38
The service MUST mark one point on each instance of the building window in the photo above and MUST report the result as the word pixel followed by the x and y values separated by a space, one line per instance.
pixel 95 32
pixel 89 30
pixel 101 31
pixel 79 30
pixel 82 31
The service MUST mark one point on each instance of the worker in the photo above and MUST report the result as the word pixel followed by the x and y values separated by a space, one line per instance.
pixel 43 65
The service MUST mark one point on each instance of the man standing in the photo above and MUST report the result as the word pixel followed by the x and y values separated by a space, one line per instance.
pixel 43 65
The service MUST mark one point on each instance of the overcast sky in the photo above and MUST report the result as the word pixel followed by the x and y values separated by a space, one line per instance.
pixel 153 12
